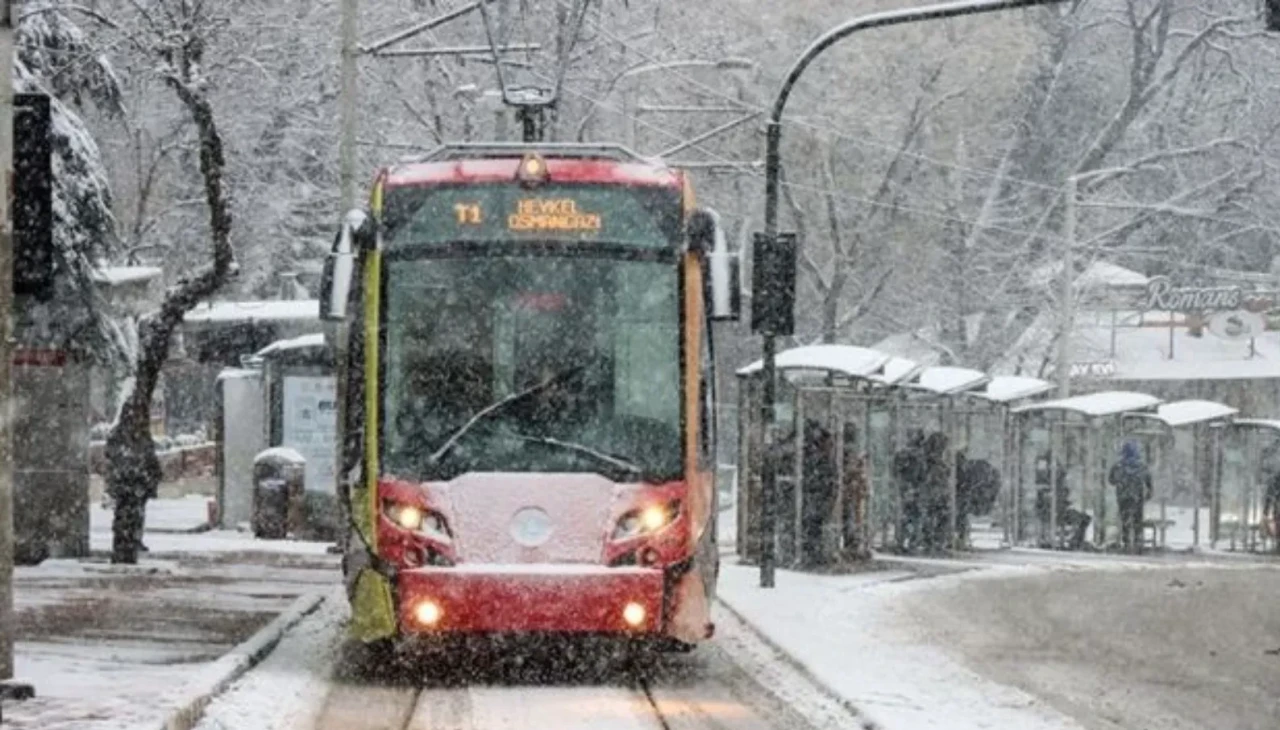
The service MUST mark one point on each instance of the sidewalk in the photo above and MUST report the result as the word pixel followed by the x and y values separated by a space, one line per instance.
pixel 851 635
pixel 110 647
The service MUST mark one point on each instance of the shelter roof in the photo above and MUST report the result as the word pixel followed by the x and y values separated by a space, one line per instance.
pixel 856 362
pixel 947 380
pixel 1008 388
pixel 1266 423
pixel 1109 403
pixel 304 342
pixel 1189 412
pixel 282 310
pixel 120 275
pixel 898 370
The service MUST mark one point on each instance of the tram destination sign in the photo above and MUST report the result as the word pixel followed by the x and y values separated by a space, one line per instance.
pixel 606 214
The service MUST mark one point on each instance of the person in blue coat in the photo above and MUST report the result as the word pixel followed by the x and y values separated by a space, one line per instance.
pixel 1132 480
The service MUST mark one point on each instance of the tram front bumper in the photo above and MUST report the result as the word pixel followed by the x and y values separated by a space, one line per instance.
pixel 530 598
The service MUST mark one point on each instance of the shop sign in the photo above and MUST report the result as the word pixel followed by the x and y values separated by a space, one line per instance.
pixel 1096 369
pixel 1162 295
pixel 1237 325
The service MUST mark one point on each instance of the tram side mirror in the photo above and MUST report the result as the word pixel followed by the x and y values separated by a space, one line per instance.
pixel 339 266
pixel 707 238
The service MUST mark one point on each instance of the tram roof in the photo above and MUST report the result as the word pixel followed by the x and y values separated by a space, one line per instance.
pixel 1109 403
pixel 559 170
pixel 856 362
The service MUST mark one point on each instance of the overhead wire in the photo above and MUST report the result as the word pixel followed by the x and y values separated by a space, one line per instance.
pixel 857 141
pixel 837 194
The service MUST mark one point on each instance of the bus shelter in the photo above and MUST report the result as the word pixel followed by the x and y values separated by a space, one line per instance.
pixel 884 433
pixel 823 475
pixel 929 427
pixel 1182 445
pixel 991 455
pixel 1065 448
pixel 1250 461
pixel 299 387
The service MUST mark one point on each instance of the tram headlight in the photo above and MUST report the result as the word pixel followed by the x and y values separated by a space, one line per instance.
pixel 646 520
pixel 416 519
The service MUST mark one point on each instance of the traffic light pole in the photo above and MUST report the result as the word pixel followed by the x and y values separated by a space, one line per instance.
pixel 773 170
pixel 9 689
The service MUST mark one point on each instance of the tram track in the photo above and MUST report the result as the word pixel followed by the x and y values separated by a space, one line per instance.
pixel 702 691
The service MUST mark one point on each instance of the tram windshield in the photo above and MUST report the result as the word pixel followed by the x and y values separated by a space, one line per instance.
pixel 531 363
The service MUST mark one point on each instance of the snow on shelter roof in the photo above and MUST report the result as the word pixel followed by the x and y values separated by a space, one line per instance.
pixel 297 343
pixel 898 370
pixel 286 309
pixel 946 380
pixel 1008 388
pixel 119 275
pixel 1109 403
pixel 1188 412
pixel 1266 423
pixel 857 362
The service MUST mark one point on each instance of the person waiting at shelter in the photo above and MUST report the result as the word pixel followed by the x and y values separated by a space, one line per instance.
pixel 909 471
pixel 1132 480
pixel 1075 521
pixel 819 490
pixel 1271 511
pixel 937 494
pixel 857 489
pixel 977 487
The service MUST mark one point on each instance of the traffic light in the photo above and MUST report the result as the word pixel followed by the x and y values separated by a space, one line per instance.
pixel 32 201
pixel 1272 10
pixel 773 284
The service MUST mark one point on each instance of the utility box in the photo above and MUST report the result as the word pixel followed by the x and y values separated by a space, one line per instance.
pixel 51 456
pixel 279 483
pixel 241 435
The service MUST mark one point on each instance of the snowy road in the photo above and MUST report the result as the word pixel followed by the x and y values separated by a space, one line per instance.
pixel 1168 648
pixel 704 690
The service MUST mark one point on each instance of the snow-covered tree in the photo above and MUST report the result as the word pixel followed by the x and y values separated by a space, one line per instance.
pixel 55 57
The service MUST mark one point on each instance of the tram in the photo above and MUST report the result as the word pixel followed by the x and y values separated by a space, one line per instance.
pixel 527 396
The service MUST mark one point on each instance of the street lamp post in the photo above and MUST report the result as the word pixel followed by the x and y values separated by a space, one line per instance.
pixel 1067 315
pixel 773 168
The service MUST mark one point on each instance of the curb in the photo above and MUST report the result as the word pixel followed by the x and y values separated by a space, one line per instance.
pixel 866 722
pixel 235 663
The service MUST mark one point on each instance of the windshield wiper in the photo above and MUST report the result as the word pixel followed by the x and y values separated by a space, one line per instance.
pixel 610 459
pixel 496 406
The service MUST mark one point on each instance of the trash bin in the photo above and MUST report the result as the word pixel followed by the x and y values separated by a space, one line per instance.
pixel 278 488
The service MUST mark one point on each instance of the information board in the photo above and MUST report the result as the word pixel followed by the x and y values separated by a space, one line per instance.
pixel 310 427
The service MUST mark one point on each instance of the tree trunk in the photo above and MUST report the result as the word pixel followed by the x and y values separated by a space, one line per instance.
pixel 133 469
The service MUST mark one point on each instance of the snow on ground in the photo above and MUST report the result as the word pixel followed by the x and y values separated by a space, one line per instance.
pixel 185 514
pixel 868 637
pixel 289 686
pixel 842 630
pixel 169 519
pixel 110 646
